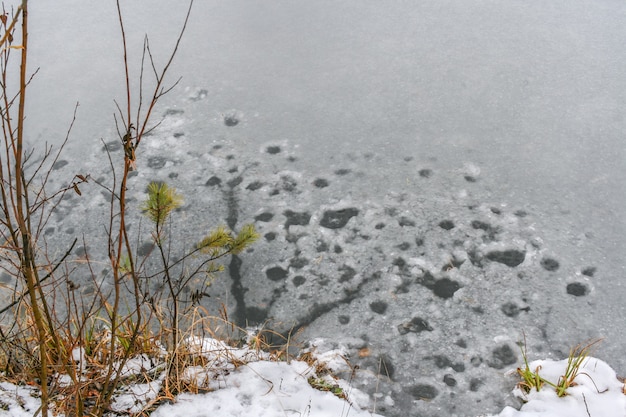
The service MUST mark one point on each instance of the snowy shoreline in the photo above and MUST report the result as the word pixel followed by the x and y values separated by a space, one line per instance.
pixel 259 386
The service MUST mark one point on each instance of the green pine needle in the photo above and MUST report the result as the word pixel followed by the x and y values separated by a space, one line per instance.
pixel 161 200
pixel 247 235
pixel 220 238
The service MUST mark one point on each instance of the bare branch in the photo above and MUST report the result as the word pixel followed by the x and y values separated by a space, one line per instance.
pixel 141 128
pixel 48 275
pixel 119 14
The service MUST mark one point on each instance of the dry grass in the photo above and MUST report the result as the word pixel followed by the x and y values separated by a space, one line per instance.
pixel 532 380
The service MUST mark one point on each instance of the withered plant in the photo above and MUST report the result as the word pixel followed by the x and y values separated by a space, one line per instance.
pixel 77 355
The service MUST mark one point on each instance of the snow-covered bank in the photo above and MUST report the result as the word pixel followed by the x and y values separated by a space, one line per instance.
pixel 236 382
pixel 597 393
pixel 266 389
pixel 263 387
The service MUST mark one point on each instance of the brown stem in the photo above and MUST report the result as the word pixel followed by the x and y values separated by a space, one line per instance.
pixel 28 253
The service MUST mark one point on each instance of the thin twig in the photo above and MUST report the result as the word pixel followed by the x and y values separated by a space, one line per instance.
pixel 48 275
pixel 586 406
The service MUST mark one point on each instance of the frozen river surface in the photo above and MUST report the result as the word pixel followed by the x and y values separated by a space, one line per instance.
pixel 431 180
